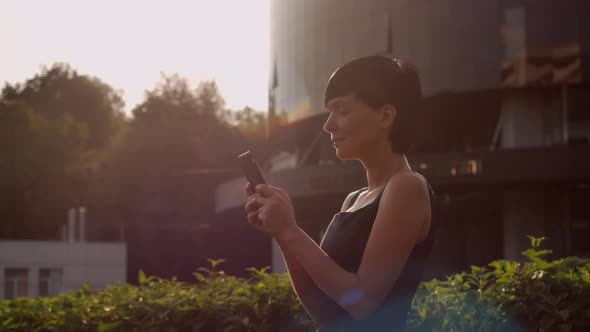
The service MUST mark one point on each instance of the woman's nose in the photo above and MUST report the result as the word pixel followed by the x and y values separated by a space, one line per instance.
pixel 329 125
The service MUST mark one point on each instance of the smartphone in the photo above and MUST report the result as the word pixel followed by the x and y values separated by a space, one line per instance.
pixel 250 169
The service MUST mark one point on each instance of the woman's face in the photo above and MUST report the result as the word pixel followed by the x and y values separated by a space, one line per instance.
pixel 354 127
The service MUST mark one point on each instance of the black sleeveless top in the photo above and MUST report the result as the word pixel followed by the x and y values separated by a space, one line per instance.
pixel 345 241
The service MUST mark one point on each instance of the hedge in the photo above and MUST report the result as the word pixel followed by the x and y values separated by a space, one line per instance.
pixel 504 296
pixel 536 295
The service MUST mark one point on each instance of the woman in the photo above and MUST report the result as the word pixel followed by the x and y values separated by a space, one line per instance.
pixel 365 272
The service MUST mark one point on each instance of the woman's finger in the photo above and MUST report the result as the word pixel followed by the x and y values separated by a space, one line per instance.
pixel 249 189
pixel 281 193
pixel 265 191
pixel 255 202
pixel 253 218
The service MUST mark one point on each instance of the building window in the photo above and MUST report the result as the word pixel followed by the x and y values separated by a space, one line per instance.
pixel 466 167
pixel 50 281
pixel 16 283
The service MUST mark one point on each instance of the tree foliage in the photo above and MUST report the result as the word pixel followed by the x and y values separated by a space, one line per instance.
pixel 251 123
pixel 66 143
pixel 175 127
pixel 175 150
pixel 59 89
pixel 54 131
pixel 42 169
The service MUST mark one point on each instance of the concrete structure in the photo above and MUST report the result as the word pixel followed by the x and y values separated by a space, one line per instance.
pixel 506 139
pixel 47 268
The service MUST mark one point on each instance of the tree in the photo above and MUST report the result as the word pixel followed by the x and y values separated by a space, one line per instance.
pixel 55 128
pixel 253 126
pixel 174 152
pixel 42 161
pixel 251 123
pixel 60 89
pixel 182 125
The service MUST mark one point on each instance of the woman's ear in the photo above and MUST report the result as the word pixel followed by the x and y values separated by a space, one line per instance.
pixel 388 115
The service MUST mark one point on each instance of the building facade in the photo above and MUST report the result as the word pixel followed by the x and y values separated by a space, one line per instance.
pixel 506 138
pixel 48 268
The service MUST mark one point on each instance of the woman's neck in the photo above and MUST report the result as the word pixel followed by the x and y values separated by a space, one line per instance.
pixel 381 165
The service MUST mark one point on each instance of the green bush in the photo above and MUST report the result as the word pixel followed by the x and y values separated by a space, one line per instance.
pixel 507 296
pixel 217 302
pixel 504 296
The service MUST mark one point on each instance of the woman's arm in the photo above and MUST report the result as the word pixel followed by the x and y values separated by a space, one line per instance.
pixel 400 217
pixel 316 303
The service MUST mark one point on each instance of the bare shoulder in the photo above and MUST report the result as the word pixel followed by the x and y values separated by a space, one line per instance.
pixel 410 193
pixel 408 181
pixel 409 185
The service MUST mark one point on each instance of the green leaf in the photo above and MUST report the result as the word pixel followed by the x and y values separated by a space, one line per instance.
pixel 536 241
pixel 496 265
pixel 141 277
pixel 215 262
pixel 199 276
pixel 544 252
pixel 107 327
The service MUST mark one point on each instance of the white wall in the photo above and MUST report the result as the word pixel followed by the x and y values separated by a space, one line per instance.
pixel 95 263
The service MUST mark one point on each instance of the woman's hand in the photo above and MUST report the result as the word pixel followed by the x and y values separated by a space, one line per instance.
pixel 270 210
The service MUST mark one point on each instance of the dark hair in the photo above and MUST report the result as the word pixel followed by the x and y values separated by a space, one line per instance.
pixel 377 81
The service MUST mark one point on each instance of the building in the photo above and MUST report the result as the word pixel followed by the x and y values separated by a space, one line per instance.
pixel 506 142
pixel 48 268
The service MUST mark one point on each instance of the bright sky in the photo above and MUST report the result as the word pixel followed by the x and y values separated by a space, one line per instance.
pixel 128 43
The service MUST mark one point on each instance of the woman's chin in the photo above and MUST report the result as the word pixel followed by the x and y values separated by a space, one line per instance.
pixel 342 155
